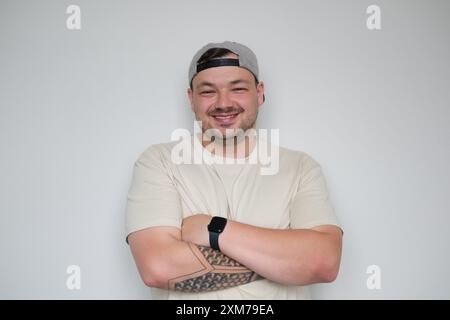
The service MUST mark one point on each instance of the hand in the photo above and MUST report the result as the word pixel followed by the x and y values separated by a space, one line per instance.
pixel 195 229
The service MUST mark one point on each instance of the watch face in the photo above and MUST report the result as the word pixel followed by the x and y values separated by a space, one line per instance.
pixel 217 224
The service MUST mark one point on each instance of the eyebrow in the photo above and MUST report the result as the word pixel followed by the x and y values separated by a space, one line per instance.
pixel 210 84
pixel 239 81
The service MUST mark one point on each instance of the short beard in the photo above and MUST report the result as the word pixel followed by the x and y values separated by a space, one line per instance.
pixel 215 133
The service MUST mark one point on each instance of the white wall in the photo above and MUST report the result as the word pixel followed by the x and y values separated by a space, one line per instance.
pixel 78 107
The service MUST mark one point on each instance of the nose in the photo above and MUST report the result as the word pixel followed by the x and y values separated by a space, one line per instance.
pixel 223 100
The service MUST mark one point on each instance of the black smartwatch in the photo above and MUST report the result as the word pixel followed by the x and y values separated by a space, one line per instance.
pixel 215 228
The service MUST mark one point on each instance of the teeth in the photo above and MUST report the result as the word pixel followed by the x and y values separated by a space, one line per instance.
pixel 226 117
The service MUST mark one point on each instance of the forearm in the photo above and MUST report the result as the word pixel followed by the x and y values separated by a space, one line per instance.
pixel 293 256
pixel 188 267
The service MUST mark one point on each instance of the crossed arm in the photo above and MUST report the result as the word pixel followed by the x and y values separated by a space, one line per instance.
pixel 182 260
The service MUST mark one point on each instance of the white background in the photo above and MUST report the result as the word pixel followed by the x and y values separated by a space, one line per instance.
pixel 78 107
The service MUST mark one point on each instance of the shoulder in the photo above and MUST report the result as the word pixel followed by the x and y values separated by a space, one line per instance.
pixel 156 153
pixel 299 158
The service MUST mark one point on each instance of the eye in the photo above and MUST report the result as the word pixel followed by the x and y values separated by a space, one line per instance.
pixel 207 92
pixel 239 89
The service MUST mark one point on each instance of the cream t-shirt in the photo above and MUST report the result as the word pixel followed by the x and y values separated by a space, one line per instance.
pixel 162 193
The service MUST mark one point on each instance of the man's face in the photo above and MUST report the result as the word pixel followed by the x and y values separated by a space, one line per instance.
pixel 226 98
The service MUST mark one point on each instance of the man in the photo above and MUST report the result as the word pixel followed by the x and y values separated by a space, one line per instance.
pixel 225 231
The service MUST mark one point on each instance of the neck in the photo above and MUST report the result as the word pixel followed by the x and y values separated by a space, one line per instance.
pixel 234 147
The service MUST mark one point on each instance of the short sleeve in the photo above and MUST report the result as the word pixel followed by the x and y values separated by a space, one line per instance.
pixel 311 206
pixel 152 198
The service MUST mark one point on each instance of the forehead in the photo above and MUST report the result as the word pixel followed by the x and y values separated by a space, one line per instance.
pixel 220 76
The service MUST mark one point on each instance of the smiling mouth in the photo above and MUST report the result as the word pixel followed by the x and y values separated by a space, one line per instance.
pixel 226 118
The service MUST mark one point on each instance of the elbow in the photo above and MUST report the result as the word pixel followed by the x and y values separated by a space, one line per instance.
pixel 329 261
pixel 329 274
pixel 150 281
pixel 320 271
pixel 152 276
pixel 328 270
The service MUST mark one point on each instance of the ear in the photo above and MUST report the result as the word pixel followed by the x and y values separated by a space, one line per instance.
pixel 260 93
pixel 190 96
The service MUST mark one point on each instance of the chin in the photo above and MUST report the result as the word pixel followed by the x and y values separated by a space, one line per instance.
pixel 229 132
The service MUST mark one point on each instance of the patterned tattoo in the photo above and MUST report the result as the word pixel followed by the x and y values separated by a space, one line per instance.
pixel 219 272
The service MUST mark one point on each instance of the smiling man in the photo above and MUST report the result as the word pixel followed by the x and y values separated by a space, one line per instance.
pixel 224 98
pixel 222 230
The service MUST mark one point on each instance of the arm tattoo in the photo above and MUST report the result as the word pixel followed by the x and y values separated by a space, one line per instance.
pixel 218 272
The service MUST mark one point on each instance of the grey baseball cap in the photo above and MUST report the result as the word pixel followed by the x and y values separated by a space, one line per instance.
pixel 246 59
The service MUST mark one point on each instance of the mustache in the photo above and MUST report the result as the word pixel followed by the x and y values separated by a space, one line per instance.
pixel 225 111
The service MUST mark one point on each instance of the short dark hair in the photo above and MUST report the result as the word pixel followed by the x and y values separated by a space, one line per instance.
pixel 215 53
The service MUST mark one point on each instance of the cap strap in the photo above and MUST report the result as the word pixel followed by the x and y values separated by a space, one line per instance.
pixel 217 63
